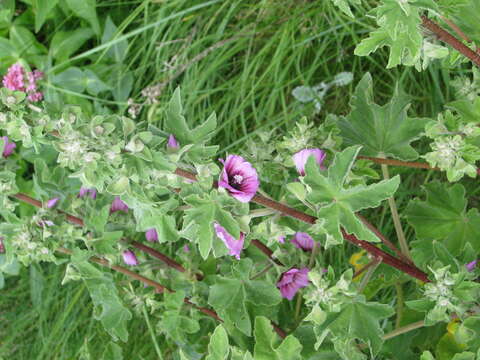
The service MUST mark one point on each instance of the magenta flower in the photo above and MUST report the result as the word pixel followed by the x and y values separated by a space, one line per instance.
pixel 2 247
pixel 281 239
pixel 234 246
pixel 301 157
pixel 52 202
pixel 92 192
pixel 118 205
pixel 129 258
pixel 172 143
pixel 302 241
pixel 291 281
pixel 239 178
pixel 186 248
pixel 151 235
pixel 15 80
pixel 471 265
pixel 8 147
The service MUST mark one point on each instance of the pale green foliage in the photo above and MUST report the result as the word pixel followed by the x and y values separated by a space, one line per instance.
pixel 399 29
pixel 308 135
pixel 455 134
pixel 336 205
pixel 173 322
pixel 467 87
pixel 429 53
pixel 341 315
pixel 443 217
pixel 218 348
pixel 199 220
pixel 450 293
pixel 383 131
pixel 176 124
pixel 267 346
pixel 109 308
pixel 229 295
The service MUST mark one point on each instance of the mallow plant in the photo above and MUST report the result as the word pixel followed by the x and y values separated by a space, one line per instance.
pixel 150 218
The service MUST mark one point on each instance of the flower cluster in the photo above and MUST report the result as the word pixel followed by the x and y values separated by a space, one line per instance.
pixel 17 79
pixel 240 180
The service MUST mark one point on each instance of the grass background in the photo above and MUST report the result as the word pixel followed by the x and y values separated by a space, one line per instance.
pixel 242 60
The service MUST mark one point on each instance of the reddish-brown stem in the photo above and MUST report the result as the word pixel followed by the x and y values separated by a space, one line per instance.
pixel 387 242
pixel 451 40
pixel 38 204
pixel 456 29
pixel 170 262
pixel 266 250
pixel 387 258
pixel 159 287
pixel 410 164
pixel 309 219
pixel 364 268
pixel 78 221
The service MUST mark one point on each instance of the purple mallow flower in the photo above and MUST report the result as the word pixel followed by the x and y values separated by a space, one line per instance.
pixel 281 239
pixel 52 202
pixel 118 205
pixel 129 258
pixel 234 246
pixel 8 147
pixel 151 235
pixel 2 247
pixel 239 178
pixel 172 143
pixel 92 192
pixel 291 281
pixel 186 248
pixel 471 265
pixel 301 157
pixel 303 241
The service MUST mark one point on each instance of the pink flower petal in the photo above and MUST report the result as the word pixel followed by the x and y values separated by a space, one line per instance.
pixel 303 241
pixel 301 157
pixel 234 246
pixel 129 258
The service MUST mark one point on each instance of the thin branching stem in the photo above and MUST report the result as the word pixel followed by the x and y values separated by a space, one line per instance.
pixel 404 329
pixel 152 332
pixel 369 274
pixel 396 218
